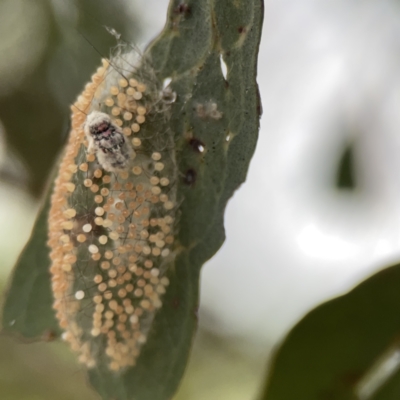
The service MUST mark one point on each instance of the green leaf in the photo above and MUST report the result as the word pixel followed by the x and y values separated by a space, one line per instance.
pixel 215 123
pixel 27 306
pixel 340 349
pixel 188 51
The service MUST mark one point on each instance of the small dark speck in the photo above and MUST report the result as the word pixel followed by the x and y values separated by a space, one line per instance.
pixel 49 336
pixel 190 177
pixel 176 302
pixel 241 29
pixel 182 9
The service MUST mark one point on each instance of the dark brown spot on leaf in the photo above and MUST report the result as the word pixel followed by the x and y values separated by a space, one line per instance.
pixel 49 335
pixel 182 9
pixel 190 177
pixel 176 302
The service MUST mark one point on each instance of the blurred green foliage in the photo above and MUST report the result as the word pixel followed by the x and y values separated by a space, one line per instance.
pixel 35 114
pixel 40 371
pixel 345 176
pixel 48 371
pixel 338 349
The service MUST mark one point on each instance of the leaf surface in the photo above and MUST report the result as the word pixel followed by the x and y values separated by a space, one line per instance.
pixel 27 305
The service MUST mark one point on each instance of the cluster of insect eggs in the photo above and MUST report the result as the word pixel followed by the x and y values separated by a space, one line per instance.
pixel 128 281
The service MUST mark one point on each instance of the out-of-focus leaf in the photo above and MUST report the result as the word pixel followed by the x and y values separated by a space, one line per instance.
pixel 35 115
pixel 345 177
pixel 40 371
pixel 333 352
pixel 389 390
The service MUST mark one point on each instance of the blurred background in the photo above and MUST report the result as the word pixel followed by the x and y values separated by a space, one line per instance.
pixel 320 210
